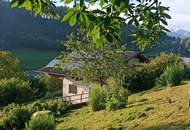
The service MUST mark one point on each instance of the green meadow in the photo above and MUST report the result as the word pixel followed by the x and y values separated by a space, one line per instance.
pixel 34 59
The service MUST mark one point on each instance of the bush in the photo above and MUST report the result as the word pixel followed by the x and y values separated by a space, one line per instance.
pixel 14 90
pixel 3 123
pixel 52 84
pixel 57 107
pixel 143 77
pixel 111 96
pixel 37 106
pixel 17 115
pixel 159 64
pixel 172 76
pixel 38 87
pixel 41 122
pixel 117 96
pixel 10 66
pixel 187 71
pixel 139 78
pixel 97 98
pixel 50 95
pixel 16 118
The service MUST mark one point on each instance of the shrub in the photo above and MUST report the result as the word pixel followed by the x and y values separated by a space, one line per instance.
pixel 143 77
pixel 139 78
pixel 111 96
pixel 97 98
pixel 38 87
pixel 17 117
pixel 10 66
pixel 57 107
pixel 52 84
pixel 41 122
pixel 117 96
pixel 53 94
pixel 14 90
pixel 159 64
pixel 3 123
pixel 10 107
pixel 37 106
pixel 172 76
pixel 187 71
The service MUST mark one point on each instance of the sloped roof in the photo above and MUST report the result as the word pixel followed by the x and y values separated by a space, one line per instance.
pixel 51 69
pixel 53 63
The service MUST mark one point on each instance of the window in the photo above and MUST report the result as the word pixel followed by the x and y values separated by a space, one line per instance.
pixel 72 89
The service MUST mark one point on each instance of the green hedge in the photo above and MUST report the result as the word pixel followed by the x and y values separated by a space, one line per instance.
pixel 143 77
pixel 17 115
pixel 14 90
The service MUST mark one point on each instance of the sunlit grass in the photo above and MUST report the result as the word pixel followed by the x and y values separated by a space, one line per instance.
pixel 162 109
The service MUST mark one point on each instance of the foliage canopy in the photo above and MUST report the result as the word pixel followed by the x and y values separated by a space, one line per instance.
pixel 103 18
pixel 9 65
pixel 92 64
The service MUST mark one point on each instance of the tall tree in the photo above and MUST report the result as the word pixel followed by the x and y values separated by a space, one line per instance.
pixel 92 64
pixel 9 66
pixel 103 18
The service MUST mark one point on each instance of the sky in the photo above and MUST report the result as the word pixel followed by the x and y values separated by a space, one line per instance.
pixel 180 12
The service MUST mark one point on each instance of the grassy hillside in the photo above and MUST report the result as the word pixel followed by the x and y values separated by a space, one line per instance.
pixel 33 59
pixel 164 109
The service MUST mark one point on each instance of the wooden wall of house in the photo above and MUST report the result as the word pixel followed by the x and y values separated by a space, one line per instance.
pixel 81 88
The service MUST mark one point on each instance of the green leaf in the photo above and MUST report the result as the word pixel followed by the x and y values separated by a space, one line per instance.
pixel 108 10
pixel 27 5
pixel 68 1
pixel 109 37
pixel 130 21
pixel 38 7
pixel 14 3
pixel 68 15
pixel 20 2
pixel 112 1
pixel 136 22
pixel 167 16
pixel 72 20
pixel 86 19
pixel 95 34
pixel 102 3
pixel 164 21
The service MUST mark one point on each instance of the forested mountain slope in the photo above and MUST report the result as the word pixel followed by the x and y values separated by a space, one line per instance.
pixel 20 29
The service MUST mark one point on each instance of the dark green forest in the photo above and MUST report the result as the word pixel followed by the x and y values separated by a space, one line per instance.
pixel 20 29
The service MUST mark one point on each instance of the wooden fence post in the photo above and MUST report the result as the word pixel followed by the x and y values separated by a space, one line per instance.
pixel 81 99
pixel 70 99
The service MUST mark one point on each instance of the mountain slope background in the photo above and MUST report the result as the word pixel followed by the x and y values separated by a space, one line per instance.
pixel 20 29
pixel 32 39
pixel 181 33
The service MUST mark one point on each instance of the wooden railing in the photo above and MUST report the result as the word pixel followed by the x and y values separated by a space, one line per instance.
pixel 75 99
